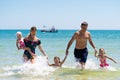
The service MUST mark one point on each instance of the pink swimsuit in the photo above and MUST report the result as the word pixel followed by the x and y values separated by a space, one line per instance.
pixel 21 44
pixel 103 63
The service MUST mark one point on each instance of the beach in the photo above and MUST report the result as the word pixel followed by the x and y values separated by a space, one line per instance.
pixel 54 44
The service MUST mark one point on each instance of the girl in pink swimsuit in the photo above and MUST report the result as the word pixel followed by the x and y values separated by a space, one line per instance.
pixel 102 57
pixel 21 45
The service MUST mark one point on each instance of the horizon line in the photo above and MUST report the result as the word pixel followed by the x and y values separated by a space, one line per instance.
pixel 58 29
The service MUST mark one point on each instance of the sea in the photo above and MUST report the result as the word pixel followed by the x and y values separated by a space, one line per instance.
pixel 12 66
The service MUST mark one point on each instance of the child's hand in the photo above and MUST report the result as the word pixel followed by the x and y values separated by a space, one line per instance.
pixel 19 48
pixel 95 54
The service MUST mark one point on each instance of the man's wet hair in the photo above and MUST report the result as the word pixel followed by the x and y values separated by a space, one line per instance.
pixel 84 24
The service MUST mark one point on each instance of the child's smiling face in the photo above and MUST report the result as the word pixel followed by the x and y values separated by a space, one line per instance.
pixel 101 51
pixel 19 36
pixel 57 60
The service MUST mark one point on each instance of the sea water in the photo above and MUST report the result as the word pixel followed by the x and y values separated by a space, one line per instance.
pixel 54 44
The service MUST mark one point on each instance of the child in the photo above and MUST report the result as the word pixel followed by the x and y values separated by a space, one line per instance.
pixel 57 62
pixel 102 57
pixel 20 44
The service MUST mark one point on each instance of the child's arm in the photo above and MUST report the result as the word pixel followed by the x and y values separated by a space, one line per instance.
pixel 50 64
pixel 17 44
pixel 111 59
pixel 63 60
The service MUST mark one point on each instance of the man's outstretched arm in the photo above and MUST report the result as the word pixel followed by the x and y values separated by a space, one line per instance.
pixel 70 43
pixel 91 43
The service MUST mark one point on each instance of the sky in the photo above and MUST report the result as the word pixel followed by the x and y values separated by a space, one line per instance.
pixel 62 14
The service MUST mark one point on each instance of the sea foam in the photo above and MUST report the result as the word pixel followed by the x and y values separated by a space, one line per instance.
pixel 40 67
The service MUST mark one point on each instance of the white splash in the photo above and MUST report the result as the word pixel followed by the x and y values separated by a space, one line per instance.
pixel 40 67
pixel 108 68
pixel 91 65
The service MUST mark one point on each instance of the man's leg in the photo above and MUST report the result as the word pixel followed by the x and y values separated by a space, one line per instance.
pixel 83 58
pixel 82 65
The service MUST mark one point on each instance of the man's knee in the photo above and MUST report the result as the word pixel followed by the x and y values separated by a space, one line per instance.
pixel 82 63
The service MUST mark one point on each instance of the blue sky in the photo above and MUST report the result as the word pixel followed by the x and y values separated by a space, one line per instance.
pixel 63 14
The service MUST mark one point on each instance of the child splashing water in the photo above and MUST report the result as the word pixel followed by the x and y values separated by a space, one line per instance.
pixel 20 44
pixel 57 62
pixel 102 58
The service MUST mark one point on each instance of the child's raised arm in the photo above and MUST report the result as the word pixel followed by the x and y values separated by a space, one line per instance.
pixel 111 59
pixel 64 59
pixel 50 64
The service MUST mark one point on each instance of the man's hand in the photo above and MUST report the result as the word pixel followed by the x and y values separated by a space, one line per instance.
pixel 95 50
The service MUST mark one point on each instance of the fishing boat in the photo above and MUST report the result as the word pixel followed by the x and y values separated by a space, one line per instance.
pixel 52 30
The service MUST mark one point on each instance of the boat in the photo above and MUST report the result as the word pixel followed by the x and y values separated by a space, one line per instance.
pixel 52 30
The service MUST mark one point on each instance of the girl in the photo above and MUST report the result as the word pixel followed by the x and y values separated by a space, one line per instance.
pixel 20 43
pixel 102 57
pixel 57 62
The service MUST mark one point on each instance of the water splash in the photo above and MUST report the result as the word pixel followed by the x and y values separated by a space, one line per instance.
pixel 91 65
pixel 40 67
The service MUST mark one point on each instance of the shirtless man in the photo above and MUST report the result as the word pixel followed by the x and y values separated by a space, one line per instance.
pixel 80 51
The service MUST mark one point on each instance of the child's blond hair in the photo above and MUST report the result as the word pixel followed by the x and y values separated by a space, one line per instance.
pixel 18 33
pixel 101 50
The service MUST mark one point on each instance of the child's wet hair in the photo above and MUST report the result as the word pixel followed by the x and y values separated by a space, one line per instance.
pixel 57 57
